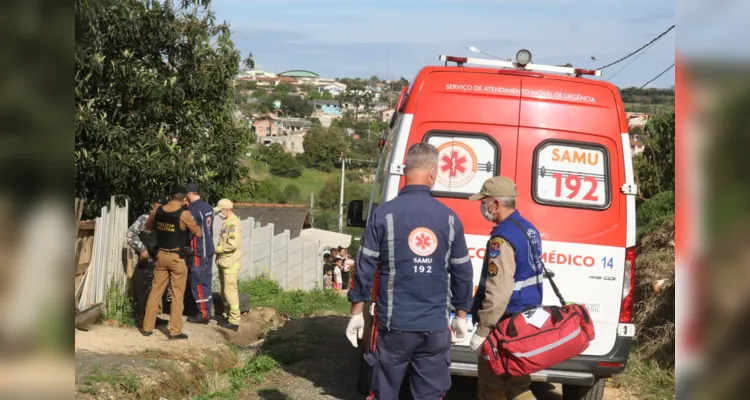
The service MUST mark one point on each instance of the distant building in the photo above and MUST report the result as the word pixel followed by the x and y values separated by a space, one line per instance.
pixel 637 119
pixel 334 88
pixel 300 75
pixel 387 114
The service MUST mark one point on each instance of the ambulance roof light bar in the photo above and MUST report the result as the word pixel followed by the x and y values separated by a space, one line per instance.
pixel 517 66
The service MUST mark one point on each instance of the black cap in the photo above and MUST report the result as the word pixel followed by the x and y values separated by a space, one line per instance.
pixel 192 188
pixel 178 190
pixel 159 199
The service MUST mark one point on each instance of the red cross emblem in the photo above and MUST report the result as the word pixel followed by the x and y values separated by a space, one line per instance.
pixel 454 163
pixel 422 241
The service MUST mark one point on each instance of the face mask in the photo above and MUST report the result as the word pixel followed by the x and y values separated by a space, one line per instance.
pixel 486 213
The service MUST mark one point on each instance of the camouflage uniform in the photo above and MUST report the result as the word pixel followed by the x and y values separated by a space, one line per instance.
pixel 134 241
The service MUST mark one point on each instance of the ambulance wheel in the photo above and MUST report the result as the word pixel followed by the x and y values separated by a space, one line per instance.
pixel 364 376
pixel 576 392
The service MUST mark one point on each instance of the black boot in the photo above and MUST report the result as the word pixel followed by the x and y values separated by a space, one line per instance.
pixel 198 319
pixel 180 336
pixel 229 325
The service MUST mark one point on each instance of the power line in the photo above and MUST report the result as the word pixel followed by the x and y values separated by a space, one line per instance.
pixel 655 78
pixel 641 48
pixel 629 62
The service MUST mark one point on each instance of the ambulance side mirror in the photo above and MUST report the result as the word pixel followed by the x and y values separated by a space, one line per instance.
pixel 354 214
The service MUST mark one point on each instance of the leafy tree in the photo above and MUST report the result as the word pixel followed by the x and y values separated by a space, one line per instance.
pixel 654 168
pixel 246 84
pixel 293 193
pixel 328 196
pixel 284 88
pixel 308 88
pixel 259 94
pixel 323 147
pixel 356 98
pixel 316 121
pixel 296 106
pixel 269 191
pixel 154 103
pixel 374 80
pixel 326 95
pixel 635 131
pixel 249 62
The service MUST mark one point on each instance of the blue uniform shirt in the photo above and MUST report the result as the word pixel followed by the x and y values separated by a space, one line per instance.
pixel 203 214
pixel 420 247
pixel 527 288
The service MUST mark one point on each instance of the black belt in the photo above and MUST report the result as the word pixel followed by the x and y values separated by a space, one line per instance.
pixel 175 251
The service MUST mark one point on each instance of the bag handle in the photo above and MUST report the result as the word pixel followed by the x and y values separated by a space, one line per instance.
pixel 549 277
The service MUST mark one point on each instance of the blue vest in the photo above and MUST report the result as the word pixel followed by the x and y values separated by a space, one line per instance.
pixel 527 291
pixel 203 214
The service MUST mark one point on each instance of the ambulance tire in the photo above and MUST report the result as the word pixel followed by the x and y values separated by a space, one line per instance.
pixel 577 392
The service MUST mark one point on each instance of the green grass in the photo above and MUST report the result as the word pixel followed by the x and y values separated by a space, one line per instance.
pixel 311 181
pixel 233 380
pixel 265 292
pixel 129 382
pixel 645 379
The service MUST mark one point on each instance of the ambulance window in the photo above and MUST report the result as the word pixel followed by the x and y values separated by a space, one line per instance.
pixel 466 160
pixel 571 174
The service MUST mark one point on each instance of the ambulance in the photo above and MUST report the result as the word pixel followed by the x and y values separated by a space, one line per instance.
pixel 563 138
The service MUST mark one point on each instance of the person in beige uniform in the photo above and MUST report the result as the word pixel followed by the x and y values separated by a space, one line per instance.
pixel 511 279
pixel 172 225
pixel 228 255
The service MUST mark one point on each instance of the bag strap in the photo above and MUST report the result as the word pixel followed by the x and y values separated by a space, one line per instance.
pixel 551 281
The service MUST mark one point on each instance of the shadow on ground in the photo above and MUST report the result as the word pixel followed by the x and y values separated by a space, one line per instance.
pixel 316 349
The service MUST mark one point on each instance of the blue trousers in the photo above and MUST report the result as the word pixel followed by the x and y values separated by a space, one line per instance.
pixel 200 284
pixel 428 353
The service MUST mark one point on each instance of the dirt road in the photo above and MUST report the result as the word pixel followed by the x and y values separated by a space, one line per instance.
pixel 312 360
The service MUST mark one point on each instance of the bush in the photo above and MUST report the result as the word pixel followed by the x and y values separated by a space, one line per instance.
pixel 654 212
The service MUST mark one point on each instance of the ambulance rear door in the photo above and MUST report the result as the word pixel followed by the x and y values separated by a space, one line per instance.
pixel 569 177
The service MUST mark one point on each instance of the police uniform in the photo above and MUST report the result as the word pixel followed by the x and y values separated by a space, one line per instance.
pixel 201 266
pixel 511 282
pixel 419 246
pixel 228 256
pixel 172 225
pixel 140 239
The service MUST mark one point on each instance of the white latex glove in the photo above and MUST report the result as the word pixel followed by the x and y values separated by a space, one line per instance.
pixel 355 329
pixel 460 329
pixel 476 343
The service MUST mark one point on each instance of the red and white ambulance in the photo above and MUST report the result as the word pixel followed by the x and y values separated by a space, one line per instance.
pixel 564 140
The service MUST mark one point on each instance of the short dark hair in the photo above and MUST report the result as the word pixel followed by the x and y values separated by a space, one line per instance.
pixel 179 196
pixel 327 255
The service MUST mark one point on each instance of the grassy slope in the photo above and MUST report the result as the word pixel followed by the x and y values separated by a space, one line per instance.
pixel 311 180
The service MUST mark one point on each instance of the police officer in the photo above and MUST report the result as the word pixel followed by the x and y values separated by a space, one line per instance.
pixel 416 245
pixel 228 256
pixel 202 263
pixel 143 242
pixel 511 279
pixel 172 225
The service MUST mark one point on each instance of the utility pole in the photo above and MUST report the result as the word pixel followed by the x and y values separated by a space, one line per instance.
pixel 312 209
pixel 341 195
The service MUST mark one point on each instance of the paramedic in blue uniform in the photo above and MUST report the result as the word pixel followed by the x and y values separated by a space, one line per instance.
pixel 511 279
pixel 203 247
pixel 424 267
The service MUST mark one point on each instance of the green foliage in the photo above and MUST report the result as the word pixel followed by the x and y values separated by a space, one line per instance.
pixel 654 212
pixel 292 193
pixel 284 88
pixel 280 163
pixel 328 197
pixel 266 292
pixel 154 103
pixel 654 168
pixel 647 95
pixel 119 307
pixel 296 106
pixel 269 191
pixel 324 147
pixel 246 84
pixel 259 94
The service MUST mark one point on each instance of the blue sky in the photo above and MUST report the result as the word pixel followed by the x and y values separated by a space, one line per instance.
pixel 345 38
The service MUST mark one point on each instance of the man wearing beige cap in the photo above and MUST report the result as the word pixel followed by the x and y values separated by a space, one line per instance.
pixel 511 280
pixel 228 255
